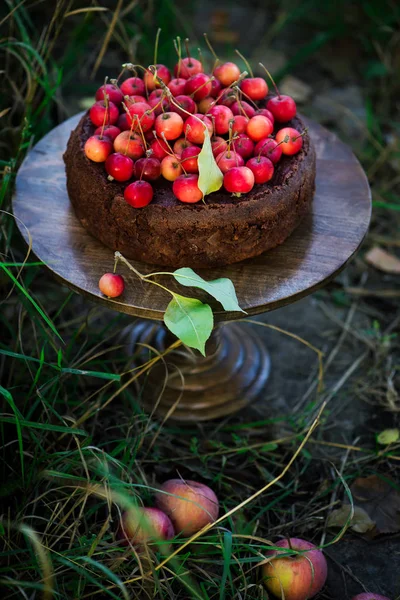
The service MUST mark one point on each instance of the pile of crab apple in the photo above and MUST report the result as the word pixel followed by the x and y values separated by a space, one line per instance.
pixel 154 126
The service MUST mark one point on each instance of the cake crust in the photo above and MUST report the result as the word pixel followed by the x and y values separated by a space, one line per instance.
pixel 220 231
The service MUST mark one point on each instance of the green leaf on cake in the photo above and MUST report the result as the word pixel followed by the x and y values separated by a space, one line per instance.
pixel 210 175
pixel 221 289
pixel 190 320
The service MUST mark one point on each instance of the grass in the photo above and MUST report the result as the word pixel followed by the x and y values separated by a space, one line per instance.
pixel 77 446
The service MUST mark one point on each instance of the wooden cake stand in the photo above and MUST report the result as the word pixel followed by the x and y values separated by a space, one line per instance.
pixel 237 364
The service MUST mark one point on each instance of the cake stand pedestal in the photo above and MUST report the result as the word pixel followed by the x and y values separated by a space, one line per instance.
pixel 236 366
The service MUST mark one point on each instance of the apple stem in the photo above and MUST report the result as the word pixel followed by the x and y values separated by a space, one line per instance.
pixel 190 64
pixel 200 55
pixel 211 50
pixel 116 259
pixel 118 256
pixel 156 45
pixel 141 131
pixel 230 133
pixel 248 98
pixel 241 106
pixel 298 136
pixel 178 49
pixel 105 113
pixel 131 129
pixel 246 62
pixel 271 78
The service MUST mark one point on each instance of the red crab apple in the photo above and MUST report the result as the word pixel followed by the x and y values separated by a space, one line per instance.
pixel 218 145
pixel 243 108
pixel 255 88
pixel 138 194
pixel 114 94
pixel 205 105
pixel 148 169
pixel 177 86
pixel 282 107
pixel 171 168
pixel 229 159
pixel 111 285
pixel 227 73
pixel 186 67
pixel 369 596
pixel 97 148
pixel 216 88
pixel 295 577
pixel 159 148
pixel 143 525
pixel 170 125
pixel 239 180
pixel 239 124
pixel 295 140
pixel 189 504
pixel 158 104
pixel 262 168
pixel 198 86
pixel 269 148
pixel 123 123
pixel 141 111
pixel 195 130
pixel 186 189
pixel 150 80
pixel 186 104
pixel 110 131
pixel 119 166
pixel 267 113
pixel 98 112
pixel 259 127
pixel 135 98
pixel 243 145
pixel 132 86
pixel 180 145
pixel 221 115
pixel 227 97
pixel 189 159
pixel 130 144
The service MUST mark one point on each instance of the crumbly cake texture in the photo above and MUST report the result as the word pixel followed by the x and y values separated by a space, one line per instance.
pixel 221 230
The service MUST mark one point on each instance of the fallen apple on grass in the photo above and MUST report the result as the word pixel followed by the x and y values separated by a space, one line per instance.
pixel 142 525
pixel 296 576
pixel 189 504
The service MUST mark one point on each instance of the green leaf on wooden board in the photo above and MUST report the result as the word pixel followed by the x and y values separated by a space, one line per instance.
pixel 221 289
pixel 190 320
pixel 210 175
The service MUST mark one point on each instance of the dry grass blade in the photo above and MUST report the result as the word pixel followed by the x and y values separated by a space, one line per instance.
pixel 107 38
pixel 43 559
pixel 86 9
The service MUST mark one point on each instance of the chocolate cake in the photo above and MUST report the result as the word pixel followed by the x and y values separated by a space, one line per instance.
pixel 221 230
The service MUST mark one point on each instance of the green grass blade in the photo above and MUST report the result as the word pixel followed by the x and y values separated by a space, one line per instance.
pixel 17 422
pixel 32 301
pixel 43 426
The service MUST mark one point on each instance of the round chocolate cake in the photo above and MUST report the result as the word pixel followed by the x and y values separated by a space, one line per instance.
pixel 221 230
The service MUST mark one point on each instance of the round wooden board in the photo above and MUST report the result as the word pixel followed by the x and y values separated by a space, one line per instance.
pixel 318 249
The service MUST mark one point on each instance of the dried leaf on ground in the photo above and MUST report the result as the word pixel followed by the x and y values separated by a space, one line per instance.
pixel 379 498
pixel 360 523
pixel 382 260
